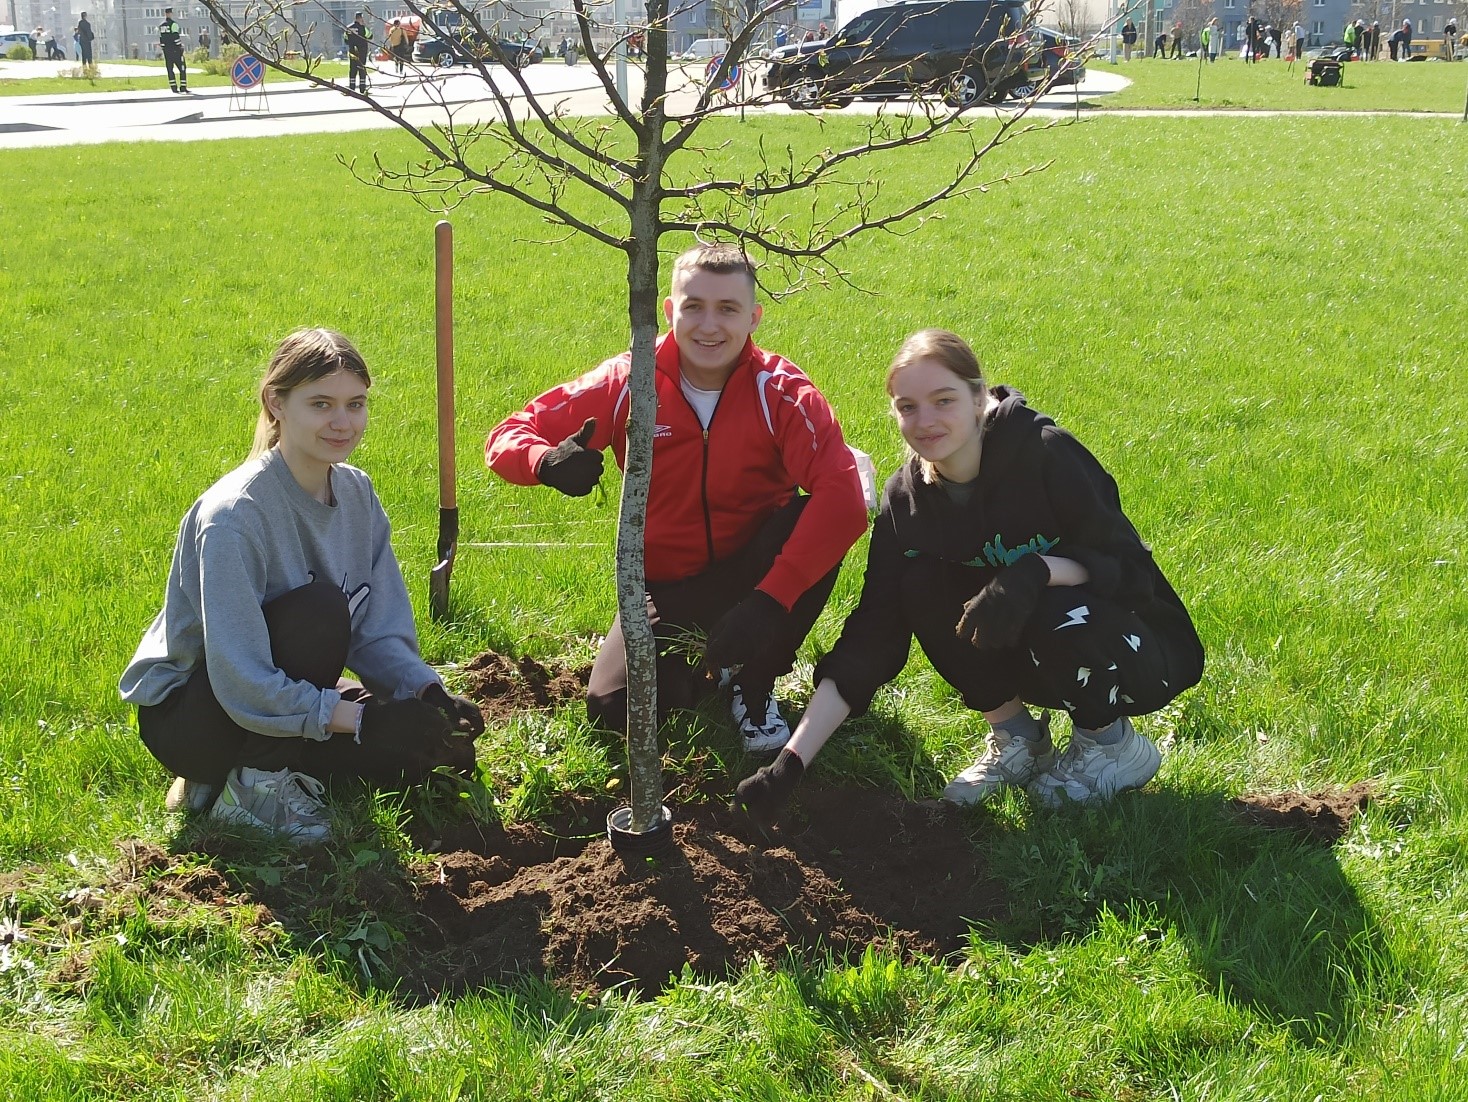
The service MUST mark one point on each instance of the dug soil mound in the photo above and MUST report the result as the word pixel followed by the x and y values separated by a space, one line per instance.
pixel 1322 816
pixel 855 868
pixel 502 686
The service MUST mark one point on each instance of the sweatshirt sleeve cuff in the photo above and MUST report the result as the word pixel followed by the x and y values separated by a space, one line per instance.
pixel 330 698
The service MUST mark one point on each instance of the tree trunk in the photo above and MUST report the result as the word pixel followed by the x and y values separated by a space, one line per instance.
pixel 644 757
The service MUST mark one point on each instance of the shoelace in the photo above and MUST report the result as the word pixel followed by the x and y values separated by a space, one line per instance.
pixel 301 792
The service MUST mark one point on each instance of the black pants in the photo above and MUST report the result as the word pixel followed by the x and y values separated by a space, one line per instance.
pixel 1079 652
pixel 357 70
pixel 310 630
pixel 173 60
pixel 698 603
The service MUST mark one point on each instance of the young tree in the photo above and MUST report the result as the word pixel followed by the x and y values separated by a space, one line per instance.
pixel 630 176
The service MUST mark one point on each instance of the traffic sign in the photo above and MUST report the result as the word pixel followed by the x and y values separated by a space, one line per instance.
pixel 247 71
pixel 730 79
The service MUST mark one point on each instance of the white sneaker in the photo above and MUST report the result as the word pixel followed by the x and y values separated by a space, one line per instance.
pixel 1088 773
pixel 285 802
pixel 1005 760
pixel 764 730
pixel 187 795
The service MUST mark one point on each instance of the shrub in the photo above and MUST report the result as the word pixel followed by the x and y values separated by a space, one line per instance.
pixel 19 53
pixel 219 66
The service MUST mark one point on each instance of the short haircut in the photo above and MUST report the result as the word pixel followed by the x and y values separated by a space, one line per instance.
pixel 721 258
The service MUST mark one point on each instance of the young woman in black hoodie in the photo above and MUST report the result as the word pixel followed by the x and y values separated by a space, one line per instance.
pixel 1002 547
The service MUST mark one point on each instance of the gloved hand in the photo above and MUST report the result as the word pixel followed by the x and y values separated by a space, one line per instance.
pixel 761 797
pixel 995 618
pixel 462 712
pixel 569 466
pixel 744 631
pixel 402 722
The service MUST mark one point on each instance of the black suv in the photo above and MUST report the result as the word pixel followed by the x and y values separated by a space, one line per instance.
pixel 969 51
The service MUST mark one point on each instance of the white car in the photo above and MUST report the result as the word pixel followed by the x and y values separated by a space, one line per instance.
pixel 704 49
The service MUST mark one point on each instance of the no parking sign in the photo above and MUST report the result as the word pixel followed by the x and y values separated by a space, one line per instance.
pixel 730 79
pixel 247 71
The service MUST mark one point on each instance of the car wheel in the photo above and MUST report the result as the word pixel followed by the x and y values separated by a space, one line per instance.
pixel 965 89
pixel 1023 91
pixel 444 60
pixel 803 95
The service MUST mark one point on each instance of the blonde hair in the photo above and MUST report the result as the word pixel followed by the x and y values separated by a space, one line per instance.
pixel 954 353
pixel 304 356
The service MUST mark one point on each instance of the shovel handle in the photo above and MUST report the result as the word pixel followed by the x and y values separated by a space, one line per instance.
pixel 443 318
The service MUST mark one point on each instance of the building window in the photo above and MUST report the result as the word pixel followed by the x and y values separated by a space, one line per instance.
pixel 1317 29
pixel 1228 3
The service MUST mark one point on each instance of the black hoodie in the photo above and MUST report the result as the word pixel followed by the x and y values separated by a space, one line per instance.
pixel 1038 491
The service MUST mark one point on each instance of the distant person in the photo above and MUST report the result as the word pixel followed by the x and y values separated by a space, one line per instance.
pixel 1406 47
pixel 53 51
pixel 397 40
pixel 1177 41
pixel 822 33
pixel 1128 39
pixel 203 38
pixel 1159 44
pixel 1002 547
pixel 782 36
pixel 358 40
pixel 1300 40
pixel 1450 38
pixel 754 499
pixel 34 40
pixel 283 576
pixel 84 37
pixel 170 40
pixel 1215 40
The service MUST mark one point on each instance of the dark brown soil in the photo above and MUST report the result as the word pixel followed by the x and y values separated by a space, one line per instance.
pixel 857 868
pixel 1322 816
pixel 503 686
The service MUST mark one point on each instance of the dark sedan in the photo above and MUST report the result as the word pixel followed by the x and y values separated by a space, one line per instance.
pixel 456 49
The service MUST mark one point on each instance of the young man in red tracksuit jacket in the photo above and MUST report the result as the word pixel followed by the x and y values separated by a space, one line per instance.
pixel 732 547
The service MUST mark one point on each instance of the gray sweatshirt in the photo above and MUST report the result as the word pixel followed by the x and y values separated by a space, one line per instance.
pixel 254 535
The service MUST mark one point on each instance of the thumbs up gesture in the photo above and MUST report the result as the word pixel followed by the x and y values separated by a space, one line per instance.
pixel 570 466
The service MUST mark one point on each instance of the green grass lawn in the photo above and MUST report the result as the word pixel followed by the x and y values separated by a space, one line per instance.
pixel 1276 86
pixel 1267 352
pixel 151 77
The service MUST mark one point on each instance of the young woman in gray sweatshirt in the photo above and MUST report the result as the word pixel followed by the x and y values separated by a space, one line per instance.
pixel 283 577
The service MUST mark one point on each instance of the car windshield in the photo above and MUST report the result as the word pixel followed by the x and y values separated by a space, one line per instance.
pixel 861 28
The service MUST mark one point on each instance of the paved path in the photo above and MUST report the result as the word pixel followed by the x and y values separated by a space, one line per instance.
pixel 424 99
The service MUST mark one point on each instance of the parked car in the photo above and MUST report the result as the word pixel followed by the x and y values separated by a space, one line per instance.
pixel 704 49
pixel 1063 65
pixel 16 38
pixel 968 51
pixel 462 45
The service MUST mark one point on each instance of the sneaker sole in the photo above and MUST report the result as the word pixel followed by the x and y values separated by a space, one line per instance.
pixel 243 816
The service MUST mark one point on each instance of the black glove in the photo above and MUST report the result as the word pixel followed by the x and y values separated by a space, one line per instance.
pixel 402 722
pixel 761 798
pixel 569 466
pixel 462 712
pixel 744 631
pixel 995 618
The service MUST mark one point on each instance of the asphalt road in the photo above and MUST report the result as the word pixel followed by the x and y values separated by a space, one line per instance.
pixel 455 97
